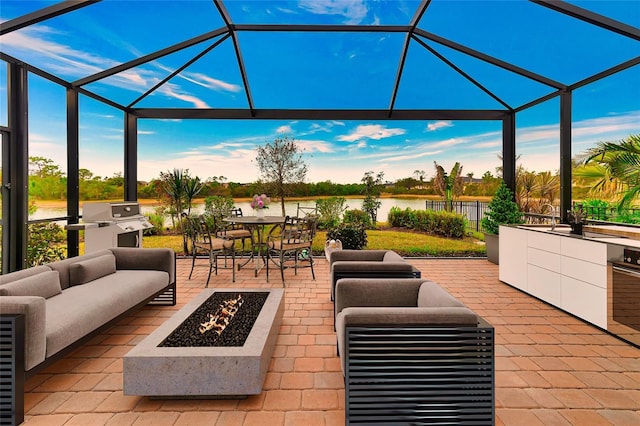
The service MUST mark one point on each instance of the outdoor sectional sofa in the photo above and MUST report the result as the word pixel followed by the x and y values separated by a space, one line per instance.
pixel 47 311
pixel 413 354
pixel 368 264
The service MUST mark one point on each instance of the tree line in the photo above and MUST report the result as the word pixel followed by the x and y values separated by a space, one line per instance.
pixel 47 181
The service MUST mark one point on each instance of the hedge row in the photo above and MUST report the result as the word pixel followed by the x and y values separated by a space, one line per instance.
pixel 434 222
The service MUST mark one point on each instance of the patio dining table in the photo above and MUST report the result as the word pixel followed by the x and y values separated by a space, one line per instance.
pixel 257 226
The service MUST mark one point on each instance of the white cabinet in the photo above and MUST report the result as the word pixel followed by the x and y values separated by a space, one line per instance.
pixel 568 272
pixel 544 241
pixel 592 273
pixel 513 256
pixel 588 251
pixel 584 300
pixel 544 284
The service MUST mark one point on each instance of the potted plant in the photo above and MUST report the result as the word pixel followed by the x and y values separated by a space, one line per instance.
pixel 576 219
pixel 502 210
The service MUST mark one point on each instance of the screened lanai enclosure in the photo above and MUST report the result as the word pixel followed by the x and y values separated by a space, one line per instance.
pixel 159 62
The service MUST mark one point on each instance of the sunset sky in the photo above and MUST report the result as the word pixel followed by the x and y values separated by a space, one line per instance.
pixel 310 70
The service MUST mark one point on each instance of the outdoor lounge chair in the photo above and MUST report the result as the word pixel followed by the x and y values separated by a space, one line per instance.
pixel 368 264
pixel 413 354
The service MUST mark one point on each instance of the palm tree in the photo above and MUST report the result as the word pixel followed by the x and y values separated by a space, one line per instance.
pixel 181 189
pixel 449 186
pixel 616 168
pixel 192 187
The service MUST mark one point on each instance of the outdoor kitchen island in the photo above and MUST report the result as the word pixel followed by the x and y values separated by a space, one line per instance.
pixel 576 273
pixel 154 370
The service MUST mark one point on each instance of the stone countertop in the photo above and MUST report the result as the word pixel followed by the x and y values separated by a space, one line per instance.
pixel 563 231
pixel 617 230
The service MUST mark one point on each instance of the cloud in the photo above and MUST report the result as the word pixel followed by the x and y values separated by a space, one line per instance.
pixel 490 144
pixel 315 146
pixel 371 131
pixel 74 63
pixel 439 125
pixel 327 126
pixel 284 129
pixel 174 91
pixel 354 11
pixel 211 83
pixel 448 142
pixel 411 156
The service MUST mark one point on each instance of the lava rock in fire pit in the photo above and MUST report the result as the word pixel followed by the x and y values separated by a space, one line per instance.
pixel 235 334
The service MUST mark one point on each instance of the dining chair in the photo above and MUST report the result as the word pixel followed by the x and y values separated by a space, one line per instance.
pixel 233 230
pixel 289 245
pixel 203 243
pixel 304 211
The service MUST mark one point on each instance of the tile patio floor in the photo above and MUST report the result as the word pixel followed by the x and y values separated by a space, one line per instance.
pixel 551 368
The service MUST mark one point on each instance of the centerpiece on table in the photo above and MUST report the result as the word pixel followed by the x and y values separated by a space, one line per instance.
pixel 259 203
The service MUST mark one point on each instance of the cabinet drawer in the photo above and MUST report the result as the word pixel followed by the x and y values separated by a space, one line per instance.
pixel 546 242
pixel 584 271
pixel 584 300
pixel 590 251
pixel 513 256
pixel 543 259
pixel 544 284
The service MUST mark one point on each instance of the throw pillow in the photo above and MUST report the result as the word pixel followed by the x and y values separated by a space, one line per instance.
pixel 44 284
pixel 91 269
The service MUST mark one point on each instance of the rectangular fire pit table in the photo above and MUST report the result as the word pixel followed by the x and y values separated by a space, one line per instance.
pixel 205 372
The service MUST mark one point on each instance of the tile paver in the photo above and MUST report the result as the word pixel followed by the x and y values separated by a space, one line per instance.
pixel 551 368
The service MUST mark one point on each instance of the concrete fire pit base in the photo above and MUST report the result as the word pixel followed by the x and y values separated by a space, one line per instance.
pixel 205 372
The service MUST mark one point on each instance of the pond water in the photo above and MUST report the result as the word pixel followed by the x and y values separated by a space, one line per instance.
pixel 274 209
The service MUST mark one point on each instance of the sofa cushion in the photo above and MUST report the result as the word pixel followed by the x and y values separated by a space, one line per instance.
pixel 91 269
pixel 81 309
pixel 24 273
pixel 45 284
pixel 431 295
pixel 62 266
pixel 392 256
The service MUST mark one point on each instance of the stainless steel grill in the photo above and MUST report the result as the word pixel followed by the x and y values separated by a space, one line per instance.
pixel 113 225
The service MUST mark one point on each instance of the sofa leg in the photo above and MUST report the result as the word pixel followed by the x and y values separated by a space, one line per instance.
pixel 166 298
pixel 12 369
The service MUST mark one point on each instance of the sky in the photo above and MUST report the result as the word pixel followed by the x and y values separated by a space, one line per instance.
pixel 310 70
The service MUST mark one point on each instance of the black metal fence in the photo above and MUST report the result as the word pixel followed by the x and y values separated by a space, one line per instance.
pixel 608 213
pixel 473 210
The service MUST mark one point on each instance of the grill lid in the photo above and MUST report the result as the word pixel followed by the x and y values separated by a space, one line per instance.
pixel 107 212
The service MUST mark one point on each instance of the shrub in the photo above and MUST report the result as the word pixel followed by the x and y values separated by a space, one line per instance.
pixel 157 220
pixel 357 216
pixel 443 223
pixel 218 206
pixel 330 211
pixel 46 243
pixel 502 210
pixel 399 218
pixel 352 235
pixel 597 209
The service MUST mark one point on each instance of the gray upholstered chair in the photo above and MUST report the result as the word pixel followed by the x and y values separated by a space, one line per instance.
pixel 368 264
pixel 413 354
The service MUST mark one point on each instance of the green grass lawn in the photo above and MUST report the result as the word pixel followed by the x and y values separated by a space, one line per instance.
pixel 404 243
